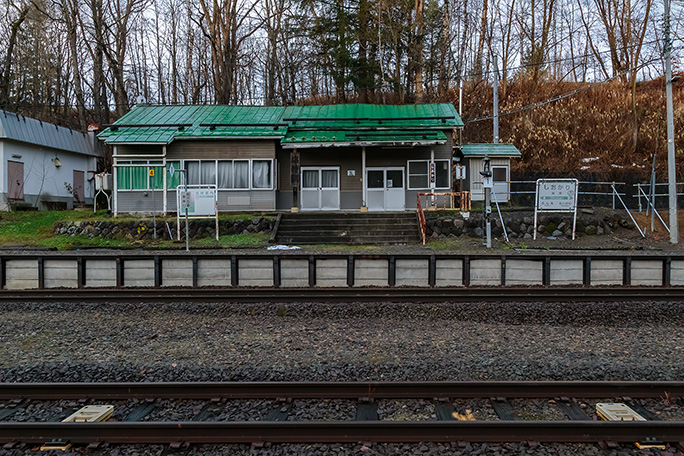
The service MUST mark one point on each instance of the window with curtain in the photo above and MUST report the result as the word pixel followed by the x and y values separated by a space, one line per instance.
pixel 193 170
pixel 208 172
pixel 173 181
pixel 241 168
pixel 418 175
pixel 225 174
pixel 157 181
pixel 139 176
pixel 123 176
pixel 329 178
pixel 261 173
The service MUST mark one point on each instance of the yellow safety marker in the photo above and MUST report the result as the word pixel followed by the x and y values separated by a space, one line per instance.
pixel 617 411
pixel 91 414
pixel 467 416
pixel 151 173
pixel 56 445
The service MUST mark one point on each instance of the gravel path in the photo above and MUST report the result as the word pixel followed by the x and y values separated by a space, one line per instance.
pixel 349 342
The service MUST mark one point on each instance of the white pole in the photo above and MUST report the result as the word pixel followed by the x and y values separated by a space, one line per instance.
pixel 116 183
pixel 671 173
pixel 496 100
pixel 363 176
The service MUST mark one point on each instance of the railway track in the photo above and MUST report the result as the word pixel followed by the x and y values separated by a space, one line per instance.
pixel 577 427
pixel 470 294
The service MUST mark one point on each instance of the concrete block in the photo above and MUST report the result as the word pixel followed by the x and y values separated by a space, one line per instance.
pixel 331 273
pixel 606 272
pixel 100 273
pixel 21 274
pixel 176 272
pixel 294 272
pixel 411 273
pixel 255 272
pixel 524 272
pixel 677 272
pixel 485 272
pixel 567 272
pixel 213 272
pixel 449 273
pixel 647 272
pixel 369 273
pixel 60 273
pixel 139 273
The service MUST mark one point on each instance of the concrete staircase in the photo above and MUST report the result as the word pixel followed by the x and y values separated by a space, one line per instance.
pixel 385 228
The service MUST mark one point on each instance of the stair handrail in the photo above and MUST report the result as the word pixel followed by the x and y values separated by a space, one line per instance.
pixel 464 205
pixel 421 216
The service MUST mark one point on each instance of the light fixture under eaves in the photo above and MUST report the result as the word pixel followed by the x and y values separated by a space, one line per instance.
pixel 57 162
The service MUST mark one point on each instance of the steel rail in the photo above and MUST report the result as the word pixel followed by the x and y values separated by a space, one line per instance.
pixel 350 294
pixel 343 431
pixel 339 390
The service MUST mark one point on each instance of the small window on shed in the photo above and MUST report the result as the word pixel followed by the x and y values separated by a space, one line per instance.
pixel 499 174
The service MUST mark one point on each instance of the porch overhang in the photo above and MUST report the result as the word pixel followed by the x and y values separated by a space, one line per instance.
pixel 310 139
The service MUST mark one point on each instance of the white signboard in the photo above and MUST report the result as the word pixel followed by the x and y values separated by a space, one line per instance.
pixel 196 202
pixel 202 202
pixel 460 172
pixel 559 195
pixel 556 195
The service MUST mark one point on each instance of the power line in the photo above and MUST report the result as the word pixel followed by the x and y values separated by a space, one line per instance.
pixel 563 96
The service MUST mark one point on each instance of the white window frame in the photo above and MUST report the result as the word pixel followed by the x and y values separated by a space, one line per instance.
pixel 250 171
pixel 147 164
pixel 427 162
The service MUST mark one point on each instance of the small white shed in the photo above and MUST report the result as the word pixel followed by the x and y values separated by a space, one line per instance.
pixel 471 156
pixel 44 166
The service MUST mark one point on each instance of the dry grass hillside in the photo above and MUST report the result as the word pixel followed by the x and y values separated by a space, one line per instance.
pixel 595 131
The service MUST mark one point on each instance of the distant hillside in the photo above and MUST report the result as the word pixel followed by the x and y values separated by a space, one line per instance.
pixel 594 131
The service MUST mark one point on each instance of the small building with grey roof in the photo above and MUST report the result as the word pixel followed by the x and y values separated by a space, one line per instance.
pixel 45 166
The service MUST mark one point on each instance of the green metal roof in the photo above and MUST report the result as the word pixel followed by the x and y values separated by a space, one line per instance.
pixel 164 124
pixel 346 138
pixel 442 115
pixel 491 150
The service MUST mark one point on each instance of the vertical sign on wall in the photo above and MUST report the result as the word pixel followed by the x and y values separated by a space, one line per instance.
pixel 294 178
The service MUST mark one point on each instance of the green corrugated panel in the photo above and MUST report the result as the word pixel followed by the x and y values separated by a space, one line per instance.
pixel 156 135
pixel 349 137
pixel 195 115
pixel 335 116
pixel 501 149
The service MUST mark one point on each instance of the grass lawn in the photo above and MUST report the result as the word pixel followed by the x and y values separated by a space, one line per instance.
pixel 36 229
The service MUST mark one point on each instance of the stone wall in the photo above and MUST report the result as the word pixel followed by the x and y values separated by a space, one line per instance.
pixel 138 230
pixel 520 224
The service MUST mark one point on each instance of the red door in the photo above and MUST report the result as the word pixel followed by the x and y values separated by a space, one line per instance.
pixel 79 193
pixel 15 180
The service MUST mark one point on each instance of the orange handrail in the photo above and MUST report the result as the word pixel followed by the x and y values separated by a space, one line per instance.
pixel 464 200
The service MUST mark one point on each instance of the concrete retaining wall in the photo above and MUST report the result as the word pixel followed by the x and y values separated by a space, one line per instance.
pixel 331 273
pixel 100 273
pixel 290 271
pixel 61 273
pixel 255 272
pixel 412 273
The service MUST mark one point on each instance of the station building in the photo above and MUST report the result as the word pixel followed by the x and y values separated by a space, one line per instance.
pixel 311 158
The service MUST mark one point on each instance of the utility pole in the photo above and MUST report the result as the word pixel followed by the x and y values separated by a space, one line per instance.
pixel 671 173
pixel 496 100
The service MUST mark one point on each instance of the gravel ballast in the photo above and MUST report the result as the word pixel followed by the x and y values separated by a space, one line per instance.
pixel 348 342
